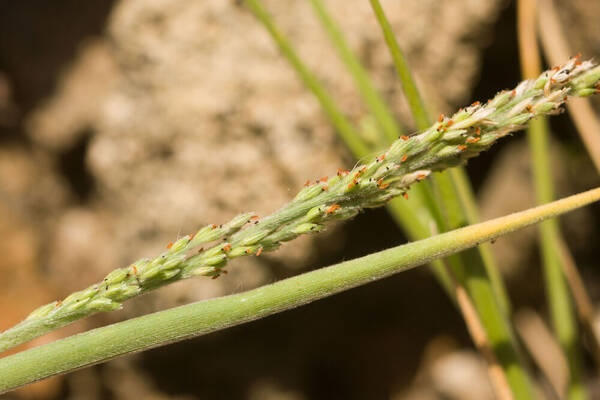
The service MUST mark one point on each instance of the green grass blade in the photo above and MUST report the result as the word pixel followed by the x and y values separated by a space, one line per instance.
pixel 375 103
pixel 559 300
pixel 417 107
pixel 200 318
pixel 538 133
pixel 344 127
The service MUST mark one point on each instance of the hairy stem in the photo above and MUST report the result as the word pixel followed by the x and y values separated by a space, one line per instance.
pixel 207 316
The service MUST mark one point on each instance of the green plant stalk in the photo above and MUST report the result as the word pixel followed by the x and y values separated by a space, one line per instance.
pixel 200 318
pixel 345 128
pixel 461 197
pixel 417 107
pixel 375 103
pixel 559 301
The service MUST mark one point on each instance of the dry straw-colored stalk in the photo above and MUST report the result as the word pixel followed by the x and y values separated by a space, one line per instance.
pixel 448 142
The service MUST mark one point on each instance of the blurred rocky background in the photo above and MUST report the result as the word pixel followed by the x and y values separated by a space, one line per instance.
pixel 124 124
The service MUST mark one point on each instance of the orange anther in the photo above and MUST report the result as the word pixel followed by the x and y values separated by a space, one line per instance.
pixel 332 208
pixel 404 137
pixel 473 140
pixel 449 123
pixel 441 118
pixel 254 218
pixel 323 179
pixel 170 245
pixel 404 158
pixel 513 93
pixel 462 147
pixel 307 183
pixel 134 268
pixel 384 185
pixel 475 104
pixel 325 188
pixel 259 252
pixel 478 131
pixel 227 247
pixel 360 172
pixel 405 195
pixel 421 176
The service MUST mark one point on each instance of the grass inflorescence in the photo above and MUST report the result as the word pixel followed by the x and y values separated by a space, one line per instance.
pixel 450 141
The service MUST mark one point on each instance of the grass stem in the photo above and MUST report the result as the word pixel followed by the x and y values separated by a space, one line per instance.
pixel 200 318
